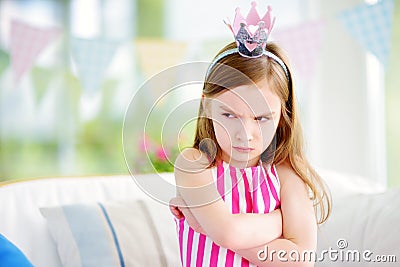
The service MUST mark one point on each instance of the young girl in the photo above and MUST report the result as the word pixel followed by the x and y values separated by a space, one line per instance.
pixel 245 188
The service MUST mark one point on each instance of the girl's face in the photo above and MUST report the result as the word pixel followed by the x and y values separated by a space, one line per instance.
pixel 245 119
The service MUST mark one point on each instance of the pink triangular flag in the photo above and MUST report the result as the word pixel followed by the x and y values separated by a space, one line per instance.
pixel 302 44
pixel 26 43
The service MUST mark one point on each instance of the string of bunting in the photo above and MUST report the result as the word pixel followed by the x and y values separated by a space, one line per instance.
pixel 370 25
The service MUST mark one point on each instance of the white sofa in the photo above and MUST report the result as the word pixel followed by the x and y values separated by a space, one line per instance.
pixel 364 218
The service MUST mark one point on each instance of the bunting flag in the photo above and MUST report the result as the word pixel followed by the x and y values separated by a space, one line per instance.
pixel 92 58
pixel 4 61
pixel 41 80
pixel 156 55
pixel 371 26
pixel 302 44
pixel 26 43
pixel 153 57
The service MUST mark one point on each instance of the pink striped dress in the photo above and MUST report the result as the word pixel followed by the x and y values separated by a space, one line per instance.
pixel 249 190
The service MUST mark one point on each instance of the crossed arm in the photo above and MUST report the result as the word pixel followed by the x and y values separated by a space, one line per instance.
pixel 299 228
pixel 293 227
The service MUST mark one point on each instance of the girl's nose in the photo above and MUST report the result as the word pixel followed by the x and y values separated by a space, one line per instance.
pixel 245 131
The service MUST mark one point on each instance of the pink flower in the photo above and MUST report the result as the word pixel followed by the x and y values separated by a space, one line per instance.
pixel 161 154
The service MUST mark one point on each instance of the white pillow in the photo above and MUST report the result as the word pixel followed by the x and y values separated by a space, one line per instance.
pixel 365 222
pixel 344 184
pixel 135 233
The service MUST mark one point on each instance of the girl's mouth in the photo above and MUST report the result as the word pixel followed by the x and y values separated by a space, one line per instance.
pixel 243 149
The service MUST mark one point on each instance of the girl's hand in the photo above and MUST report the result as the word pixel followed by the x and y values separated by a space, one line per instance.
pixel 178 209
pixel 175 209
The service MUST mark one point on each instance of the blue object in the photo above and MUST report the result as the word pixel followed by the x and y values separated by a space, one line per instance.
pixel 371 26
pixel 11 256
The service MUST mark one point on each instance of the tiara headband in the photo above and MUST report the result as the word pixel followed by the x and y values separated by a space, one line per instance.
pixel 251 44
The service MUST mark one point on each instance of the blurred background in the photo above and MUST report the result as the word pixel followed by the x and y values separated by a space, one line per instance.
pixel 68 70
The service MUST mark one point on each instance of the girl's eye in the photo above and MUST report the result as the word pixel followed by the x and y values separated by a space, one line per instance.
pixel 228 115
pixel 262 118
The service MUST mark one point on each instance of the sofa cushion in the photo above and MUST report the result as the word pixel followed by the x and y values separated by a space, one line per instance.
pixel 362 223
pixel 11 256
pixel 134 233
pixel 22 222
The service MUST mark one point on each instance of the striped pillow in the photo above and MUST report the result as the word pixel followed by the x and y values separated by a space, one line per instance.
pixel 113 234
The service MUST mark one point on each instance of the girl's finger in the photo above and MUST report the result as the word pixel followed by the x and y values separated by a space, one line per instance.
pixel 176 212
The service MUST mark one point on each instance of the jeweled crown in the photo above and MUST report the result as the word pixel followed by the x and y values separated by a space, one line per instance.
pixel 251 34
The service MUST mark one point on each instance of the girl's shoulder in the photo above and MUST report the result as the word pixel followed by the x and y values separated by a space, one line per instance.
pixel 286 174
pixel 191 159
pixel 190 153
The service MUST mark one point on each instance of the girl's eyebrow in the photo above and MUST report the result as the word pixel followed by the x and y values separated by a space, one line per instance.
pixel 233 112
pixel 226 108
pixel 267 114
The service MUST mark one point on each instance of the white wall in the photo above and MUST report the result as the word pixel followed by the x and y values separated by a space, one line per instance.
pixel 342 115
pixel 190 20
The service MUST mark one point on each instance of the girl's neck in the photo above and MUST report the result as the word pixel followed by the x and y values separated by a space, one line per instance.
pixel 240 164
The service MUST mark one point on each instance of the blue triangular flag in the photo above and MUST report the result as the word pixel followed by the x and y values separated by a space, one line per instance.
pixel 371 25
pixel 92 58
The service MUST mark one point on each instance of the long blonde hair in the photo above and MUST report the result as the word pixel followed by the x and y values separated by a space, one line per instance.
pixel 288 141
